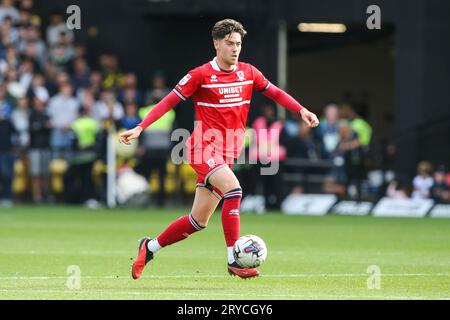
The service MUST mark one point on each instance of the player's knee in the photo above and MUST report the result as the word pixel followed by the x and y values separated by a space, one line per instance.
pixel 230 185
pixel 199 223
pixel 233 193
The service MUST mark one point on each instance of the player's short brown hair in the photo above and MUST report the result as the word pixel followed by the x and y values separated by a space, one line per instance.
pixel 225 27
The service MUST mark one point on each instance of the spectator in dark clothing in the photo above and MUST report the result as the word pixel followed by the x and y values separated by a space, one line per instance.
pixel 79 186
pixel 6 158
pixel 347 158
pixel 304 146
pixel 130 91
pixel 39 154
pixel 440 191
pixel 329 130
pixel 131 118
pixel 267 150
pixel 81 75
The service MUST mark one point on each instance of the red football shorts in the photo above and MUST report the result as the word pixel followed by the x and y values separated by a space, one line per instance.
pixel 205 164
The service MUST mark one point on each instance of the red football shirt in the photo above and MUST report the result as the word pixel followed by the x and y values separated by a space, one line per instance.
pixel 221 102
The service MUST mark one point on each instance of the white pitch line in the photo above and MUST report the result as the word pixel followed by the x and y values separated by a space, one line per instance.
pixel 186 276
pixel 155 294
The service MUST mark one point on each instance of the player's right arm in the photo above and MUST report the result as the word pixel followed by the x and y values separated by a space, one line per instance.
pixel 183 90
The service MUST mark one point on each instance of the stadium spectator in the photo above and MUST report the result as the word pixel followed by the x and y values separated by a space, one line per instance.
pixel 7 9
pixel 108 108
pixel 347 159
pixel 39 154
pixel 38 88
pixel 159 89
pixel 20 119
pixel 113 78
pixel 32 46
pixel 130 91
pixel 81 74
pixel 61 56
pixel 80 50
pixel 265 151
pixel 397 190
pixel 291 126
pixel 87 102
pixel 304 145
pixel 26 73
pixel 423 181
pixel 154 149
pixel 9 59
pixel 9 33
pixel 95 83
pixel 26 5
pixel 7 131
pixel 79 186
pixel 360 126
pixel 58 29
pixel 440 191
pixel 131 118
pixel 63 110
pixel 329 129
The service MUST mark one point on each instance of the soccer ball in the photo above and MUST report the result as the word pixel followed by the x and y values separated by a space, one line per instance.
pixel 250 251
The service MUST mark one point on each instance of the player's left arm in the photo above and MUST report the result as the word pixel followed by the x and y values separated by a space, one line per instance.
pixel 287 101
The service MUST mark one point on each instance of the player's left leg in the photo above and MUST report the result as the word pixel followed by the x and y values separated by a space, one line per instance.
pixel 226 182
pixel 204 205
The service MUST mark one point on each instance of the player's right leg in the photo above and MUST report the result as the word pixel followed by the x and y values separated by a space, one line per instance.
pixel 226 182
pixel 204 205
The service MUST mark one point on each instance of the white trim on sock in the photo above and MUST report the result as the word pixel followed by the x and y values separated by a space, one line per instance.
pixel 230 254
pixel 153 245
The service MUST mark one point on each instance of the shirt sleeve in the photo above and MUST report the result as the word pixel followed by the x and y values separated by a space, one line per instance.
pixel 260 83
pixel 187 86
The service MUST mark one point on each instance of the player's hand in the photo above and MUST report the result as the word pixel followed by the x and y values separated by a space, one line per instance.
pixel 127 136
pixel 309 117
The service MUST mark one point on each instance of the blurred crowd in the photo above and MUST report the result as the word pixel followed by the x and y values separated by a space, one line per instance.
pixel 335 158
pixel 55 106
pixel 56 111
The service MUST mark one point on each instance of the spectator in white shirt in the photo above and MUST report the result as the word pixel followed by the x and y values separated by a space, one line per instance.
pixel 108 107
pixel 57 28
pixel 7 9
pixel 63 110
pixel 423 181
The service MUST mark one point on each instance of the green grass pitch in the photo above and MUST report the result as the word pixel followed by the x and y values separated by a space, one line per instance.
pixel 308 257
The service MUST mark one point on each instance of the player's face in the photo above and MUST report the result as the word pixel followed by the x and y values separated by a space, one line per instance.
pixel 229 48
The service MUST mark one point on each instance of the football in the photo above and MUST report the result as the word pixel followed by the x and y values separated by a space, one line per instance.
pixel 250 251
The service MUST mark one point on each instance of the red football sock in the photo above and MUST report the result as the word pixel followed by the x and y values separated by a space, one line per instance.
pixel 230 215
pixel 179 230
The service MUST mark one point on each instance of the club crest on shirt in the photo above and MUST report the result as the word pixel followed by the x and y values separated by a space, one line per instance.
pixel 211 163
pixel 214 78
pixel 185 79
pixel 240 75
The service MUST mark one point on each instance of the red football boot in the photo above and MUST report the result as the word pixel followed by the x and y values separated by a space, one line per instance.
pixel 144 257
pixel 235 270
